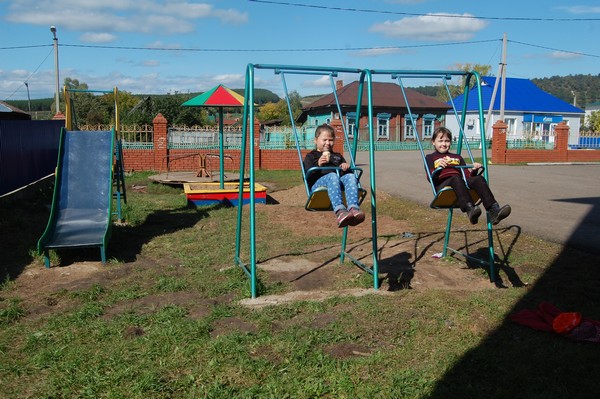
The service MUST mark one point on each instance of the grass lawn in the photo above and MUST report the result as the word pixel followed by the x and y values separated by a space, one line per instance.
pixel 164 318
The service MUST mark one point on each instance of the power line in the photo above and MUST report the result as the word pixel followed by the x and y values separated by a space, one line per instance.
pixel 314 49
pixel 32 73
pixel 443 15
pixel 222 50
pixel 555 49
pixel 23 47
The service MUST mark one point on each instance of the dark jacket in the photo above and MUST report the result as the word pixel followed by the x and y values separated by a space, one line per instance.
pixel 312 159
pixel 432 161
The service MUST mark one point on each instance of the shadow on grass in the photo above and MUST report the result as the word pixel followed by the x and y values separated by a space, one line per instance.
pixel 21 225
pixel 516 362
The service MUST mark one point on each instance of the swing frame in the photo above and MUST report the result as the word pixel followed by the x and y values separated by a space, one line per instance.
pixel 248 129
pixel 318 199
pixel 445 198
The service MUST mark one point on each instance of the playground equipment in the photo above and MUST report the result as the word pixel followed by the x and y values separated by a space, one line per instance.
pixel 445 198
pixel 82 199
pixel 203 194
pixel 89 163
pixel 322 204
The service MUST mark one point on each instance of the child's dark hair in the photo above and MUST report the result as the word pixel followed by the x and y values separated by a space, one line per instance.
pixel 322 128
pixel 441 131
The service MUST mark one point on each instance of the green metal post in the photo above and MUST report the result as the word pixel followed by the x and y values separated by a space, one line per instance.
pixel 221 155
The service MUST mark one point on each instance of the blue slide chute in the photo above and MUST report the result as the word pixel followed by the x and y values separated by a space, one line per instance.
pixel 81 210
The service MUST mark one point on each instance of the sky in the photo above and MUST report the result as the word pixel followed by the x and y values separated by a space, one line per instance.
pixel 184 46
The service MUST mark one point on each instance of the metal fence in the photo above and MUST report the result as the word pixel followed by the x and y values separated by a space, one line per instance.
pixel 204 137
pixel 139 137
pixel 28 152
pixel 588 140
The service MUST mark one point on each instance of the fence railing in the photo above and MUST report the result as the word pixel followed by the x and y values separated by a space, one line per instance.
pixel 139 137
pixel 524 144
pixel 588 140
pixel 282 137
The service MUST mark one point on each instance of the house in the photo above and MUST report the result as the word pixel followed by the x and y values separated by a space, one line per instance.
pixel 529 112
pixel 390 113
pixel 8 112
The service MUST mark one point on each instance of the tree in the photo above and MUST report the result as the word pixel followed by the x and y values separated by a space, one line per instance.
pixel 593 124
pixel 457 89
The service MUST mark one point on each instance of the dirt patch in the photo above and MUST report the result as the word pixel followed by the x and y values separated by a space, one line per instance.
pixel 405 262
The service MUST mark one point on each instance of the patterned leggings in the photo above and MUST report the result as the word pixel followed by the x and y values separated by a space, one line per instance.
pixel 334 185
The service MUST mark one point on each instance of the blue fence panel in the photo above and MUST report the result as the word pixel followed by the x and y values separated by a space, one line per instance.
pixel 28 152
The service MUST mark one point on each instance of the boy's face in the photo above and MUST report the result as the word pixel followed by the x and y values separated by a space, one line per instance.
pixel 442 143
pixel 325 141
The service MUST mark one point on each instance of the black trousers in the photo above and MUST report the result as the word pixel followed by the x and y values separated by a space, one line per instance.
pixel 477 183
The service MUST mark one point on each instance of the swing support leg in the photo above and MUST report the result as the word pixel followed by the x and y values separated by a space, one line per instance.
pixel 447 235
pixel 492 257
pixel 344 240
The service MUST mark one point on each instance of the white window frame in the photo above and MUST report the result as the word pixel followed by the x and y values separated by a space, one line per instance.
pixel 409 129
pixel 428 126
pixel 383 126
pixel 350 123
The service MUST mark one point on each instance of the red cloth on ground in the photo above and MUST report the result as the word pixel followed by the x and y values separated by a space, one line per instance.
pixel 542 317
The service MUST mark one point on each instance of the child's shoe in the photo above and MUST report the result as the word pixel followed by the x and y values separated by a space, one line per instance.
pixel 473 211
pixel 343 218
pixel 358 216
pixel 497 213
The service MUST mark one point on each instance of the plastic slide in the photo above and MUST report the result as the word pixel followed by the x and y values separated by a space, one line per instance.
pixel 82 201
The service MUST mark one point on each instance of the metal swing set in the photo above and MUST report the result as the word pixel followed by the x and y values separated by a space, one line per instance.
pixel 317 200
pixel 445 197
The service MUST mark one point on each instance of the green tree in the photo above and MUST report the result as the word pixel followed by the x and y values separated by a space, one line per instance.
pixel 457 89
pixel 279 110
pixel 594 122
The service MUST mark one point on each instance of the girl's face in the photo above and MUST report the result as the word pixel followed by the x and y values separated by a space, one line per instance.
pixel 442 143
pixel 325 141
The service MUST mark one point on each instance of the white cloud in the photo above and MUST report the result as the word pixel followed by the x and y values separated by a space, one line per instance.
pixel 97 37
pixel 144 16
pixel 432 27
pixel 150 63
pixel 160 44
pixel 581 9
pixel 323 81
pixel 378 52
pixel 562 55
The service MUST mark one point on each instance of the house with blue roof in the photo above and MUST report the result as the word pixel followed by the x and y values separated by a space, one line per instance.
pixel 529 112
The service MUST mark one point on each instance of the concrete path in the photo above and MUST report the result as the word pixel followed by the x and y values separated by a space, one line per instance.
pixel 560 203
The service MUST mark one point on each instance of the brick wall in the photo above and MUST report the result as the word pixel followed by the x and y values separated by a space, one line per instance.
pixel 161 158
pixel 560 153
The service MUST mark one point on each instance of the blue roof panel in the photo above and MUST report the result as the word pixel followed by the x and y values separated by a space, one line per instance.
pixel 522 95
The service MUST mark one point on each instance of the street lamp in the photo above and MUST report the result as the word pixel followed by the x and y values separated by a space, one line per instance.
pixel 53 30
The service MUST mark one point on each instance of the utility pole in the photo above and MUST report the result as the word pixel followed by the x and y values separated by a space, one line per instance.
pixel 56 98
pixel 501 76
pixel 28 98
pixel 503 88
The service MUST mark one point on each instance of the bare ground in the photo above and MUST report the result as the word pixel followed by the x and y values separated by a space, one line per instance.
pixel 406 261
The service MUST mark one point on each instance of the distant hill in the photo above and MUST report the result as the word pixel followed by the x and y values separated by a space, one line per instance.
pixel 585 89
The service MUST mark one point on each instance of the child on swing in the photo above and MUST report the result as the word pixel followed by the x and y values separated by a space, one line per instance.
pixel 324 155
pixel 450 176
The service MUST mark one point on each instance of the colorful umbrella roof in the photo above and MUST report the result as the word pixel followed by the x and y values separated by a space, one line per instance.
pixel 219 96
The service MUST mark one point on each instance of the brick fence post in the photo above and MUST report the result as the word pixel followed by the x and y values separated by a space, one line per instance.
pixel 340 138
pixel 160 141
pixel 562 141
pixel 499 142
